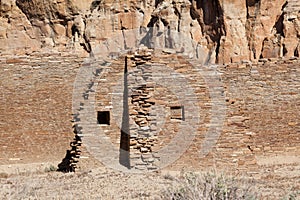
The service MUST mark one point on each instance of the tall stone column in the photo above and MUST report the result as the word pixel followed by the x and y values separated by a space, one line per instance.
pixel 143 135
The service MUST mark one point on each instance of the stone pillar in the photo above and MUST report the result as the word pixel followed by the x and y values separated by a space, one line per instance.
pixel 143 135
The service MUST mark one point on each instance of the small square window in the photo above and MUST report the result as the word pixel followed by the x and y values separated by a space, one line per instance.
pixel 177 112
pixel 103 117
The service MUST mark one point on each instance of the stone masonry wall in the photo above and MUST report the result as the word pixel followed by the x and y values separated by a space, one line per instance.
pixel 261 123
pixel 143 135
pixel 155 86
pixel 36 107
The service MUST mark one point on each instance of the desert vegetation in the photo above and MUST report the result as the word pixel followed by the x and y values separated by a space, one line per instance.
pixel 211 185
pixel 102 183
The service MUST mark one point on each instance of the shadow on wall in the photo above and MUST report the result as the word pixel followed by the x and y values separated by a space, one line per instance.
pixel 124 156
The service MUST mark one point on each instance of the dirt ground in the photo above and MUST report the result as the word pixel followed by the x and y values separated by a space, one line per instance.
pixel 93 181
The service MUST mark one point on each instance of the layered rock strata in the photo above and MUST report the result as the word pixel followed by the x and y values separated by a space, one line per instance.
pixel 222 31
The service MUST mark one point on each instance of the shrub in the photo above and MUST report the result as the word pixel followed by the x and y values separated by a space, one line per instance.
pixel 209 186
pixel 51 168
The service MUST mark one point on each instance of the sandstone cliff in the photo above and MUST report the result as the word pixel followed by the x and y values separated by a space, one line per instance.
pixel 217 31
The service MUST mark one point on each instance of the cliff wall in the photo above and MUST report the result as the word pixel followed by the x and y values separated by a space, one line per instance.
pixel 225 31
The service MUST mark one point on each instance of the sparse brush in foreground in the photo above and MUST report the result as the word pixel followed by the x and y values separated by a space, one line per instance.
pixel 210 186
pixel 51 168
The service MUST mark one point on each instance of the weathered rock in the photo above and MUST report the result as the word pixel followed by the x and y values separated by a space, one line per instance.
pixel 215 31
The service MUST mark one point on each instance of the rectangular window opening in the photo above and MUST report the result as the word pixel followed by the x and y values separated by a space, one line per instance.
pixel 177 112
pixel 103 117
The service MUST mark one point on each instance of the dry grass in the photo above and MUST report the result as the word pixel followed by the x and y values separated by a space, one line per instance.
pixel 213 186
pixel 105 184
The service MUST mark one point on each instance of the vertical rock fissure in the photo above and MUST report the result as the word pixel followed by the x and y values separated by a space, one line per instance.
pixel 211 22
pixel 296 52
pixel 123 35
pixel 219 29
pixel 253 13
pixel 279 25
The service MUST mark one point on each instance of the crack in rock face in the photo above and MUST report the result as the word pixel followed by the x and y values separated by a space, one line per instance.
pixel 228 31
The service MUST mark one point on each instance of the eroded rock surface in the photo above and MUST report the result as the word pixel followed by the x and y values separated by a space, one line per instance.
pixel 218 31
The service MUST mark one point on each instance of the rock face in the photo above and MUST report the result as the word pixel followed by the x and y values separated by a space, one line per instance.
pixel 219 31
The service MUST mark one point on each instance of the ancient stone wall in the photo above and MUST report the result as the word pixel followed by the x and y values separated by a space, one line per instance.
pixel 259 103
pixel 36 106
pixel 143 135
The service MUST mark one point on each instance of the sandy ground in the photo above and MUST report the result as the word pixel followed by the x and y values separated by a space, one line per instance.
pixel 37 181
pixel 99 183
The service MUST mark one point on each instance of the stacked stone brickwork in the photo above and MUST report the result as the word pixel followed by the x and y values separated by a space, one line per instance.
pixel 154 87
pixel 69 162
pixel 36 106
pixel 260 123
pixel 259 119
pixel 142 133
